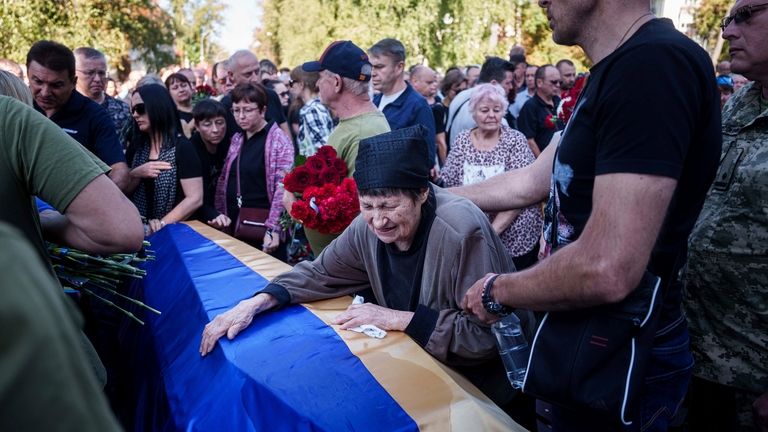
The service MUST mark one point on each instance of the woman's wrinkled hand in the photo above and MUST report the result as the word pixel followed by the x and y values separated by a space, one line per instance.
pixel 150 169
pixel 368 313
pixel 235 320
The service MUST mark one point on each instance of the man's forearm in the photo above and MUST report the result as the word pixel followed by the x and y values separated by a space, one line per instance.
pixel 514 189
pixel 543 287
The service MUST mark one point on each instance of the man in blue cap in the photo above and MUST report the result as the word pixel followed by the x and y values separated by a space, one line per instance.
pixel 345 75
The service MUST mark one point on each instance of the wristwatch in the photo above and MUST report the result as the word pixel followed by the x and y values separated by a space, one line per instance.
pixel 490 305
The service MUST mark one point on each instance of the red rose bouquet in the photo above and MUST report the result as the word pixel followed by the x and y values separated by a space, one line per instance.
pixel 569 98
pixel 327 200
pixel 203 92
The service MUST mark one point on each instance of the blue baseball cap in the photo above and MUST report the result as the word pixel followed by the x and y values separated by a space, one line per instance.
pixel 343 58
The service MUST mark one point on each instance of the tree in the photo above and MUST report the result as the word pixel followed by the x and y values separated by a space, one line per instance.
pixel 195 23
pixel 440 33
pixel 119 28
pixel 706 24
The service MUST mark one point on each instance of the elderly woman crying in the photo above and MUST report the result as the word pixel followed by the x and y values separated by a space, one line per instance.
pixel 417 247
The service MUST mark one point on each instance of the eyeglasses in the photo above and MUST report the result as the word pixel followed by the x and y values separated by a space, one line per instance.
pixel 92 73
pixel 247 111
pixel 139 109
pixel 742 14
pixel 291 83
pixel 284 94
pixel 556 82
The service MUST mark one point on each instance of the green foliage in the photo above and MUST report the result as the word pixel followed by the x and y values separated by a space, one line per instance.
pixel 706 21
pixel 195 22
pixel 122 29
pixel 440 33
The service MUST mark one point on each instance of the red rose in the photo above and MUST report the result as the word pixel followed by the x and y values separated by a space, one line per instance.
pixel 315 164
pixel 297 180
pixel 326 152
pixel 329 176
pixel 340 167
pixel 301 212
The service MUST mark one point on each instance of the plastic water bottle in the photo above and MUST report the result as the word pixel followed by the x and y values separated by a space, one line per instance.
pixel 513 348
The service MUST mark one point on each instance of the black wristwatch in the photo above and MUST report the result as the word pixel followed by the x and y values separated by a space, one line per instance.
pixel 490 305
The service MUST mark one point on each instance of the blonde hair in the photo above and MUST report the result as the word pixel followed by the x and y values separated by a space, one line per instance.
pixel 13 86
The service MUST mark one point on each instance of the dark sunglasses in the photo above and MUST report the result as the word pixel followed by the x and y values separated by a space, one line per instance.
pixel 139 109
pixel 556 82
pixel 284 94
pixel 742 14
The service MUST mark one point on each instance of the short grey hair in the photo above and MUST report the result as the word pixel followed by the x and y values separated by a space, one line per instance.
pixel 90 53
pixel 357 88
pixel 149 78
pixel 389 47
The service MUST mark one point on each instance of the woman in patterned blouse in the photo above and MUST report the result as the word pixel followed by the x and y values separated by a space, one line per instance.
pixel 489 149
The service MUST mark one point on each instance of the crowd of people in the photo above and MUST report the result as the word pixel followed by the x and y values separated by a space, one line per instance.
pixel 504 186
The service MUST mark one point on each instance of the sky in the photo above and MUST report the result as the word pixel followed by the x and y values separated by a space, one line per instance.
pixel 241 18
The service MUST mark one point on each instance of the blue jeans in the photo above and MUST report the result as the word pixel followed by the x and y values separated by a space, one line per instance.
pixel 665 385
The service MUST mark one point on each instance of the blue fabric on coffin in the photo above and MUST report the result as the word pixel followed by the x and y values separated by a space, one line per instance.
pixel 287 371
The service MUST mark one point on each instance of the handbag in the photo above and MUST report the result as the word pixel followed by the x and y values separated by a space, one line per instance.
pixel 250 225
pixel 594 359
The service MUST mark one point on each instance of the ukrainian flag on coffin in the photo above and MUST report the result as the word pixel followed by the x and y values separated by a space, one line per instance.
pixel 290 370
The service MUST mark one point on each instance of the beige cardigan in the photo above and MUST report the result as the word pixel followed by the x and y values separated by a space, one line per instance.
pixel 461 249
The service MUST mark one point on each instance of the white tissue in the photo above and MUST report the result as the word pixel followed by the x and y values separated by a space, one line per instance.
pixel 367 329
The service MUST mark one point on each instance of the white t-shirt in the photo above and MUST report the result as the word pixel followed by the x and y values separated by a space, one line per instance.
pixel 388 99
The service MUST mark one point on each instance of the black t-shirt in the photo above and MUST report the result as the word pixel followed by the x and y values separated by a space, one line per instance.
pixel 533 121
pixel 185 116
pixel 401 271
pixel 440 112
pixel 666 123
pixel 210 165
pixel 91 125
pixel 253 175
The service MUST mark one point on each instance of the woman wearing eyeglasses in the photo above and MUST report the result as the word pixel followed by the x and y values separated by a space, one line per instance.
pixel 255 165
pixel 166 183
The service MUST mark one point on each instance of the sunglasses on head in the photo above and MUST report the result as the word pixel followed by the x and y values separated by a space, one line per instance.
pixel 742 14
pixel 139 109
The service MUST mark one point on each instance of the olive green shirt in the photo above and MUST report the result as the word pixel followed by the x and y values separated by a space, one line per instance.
pixel 347 135
pixel 37 158
pixel 46 383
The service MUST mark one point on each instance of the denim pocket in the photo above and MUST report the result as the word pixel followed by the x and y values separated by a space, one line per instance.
pixel 667 378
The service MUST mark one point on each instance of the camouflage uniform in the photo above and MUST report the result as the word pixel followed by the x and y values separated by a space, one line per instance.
pixel 726 296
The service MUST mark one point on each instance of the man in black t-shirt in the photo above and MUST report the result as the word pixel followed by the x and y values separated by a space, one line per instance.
pixel 629 176
pixel 538 119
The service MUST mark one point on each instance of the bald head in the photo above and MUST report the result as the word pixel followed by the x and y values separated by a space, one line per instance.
pixel 12 67
pixel 424 81
pixel 244 66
